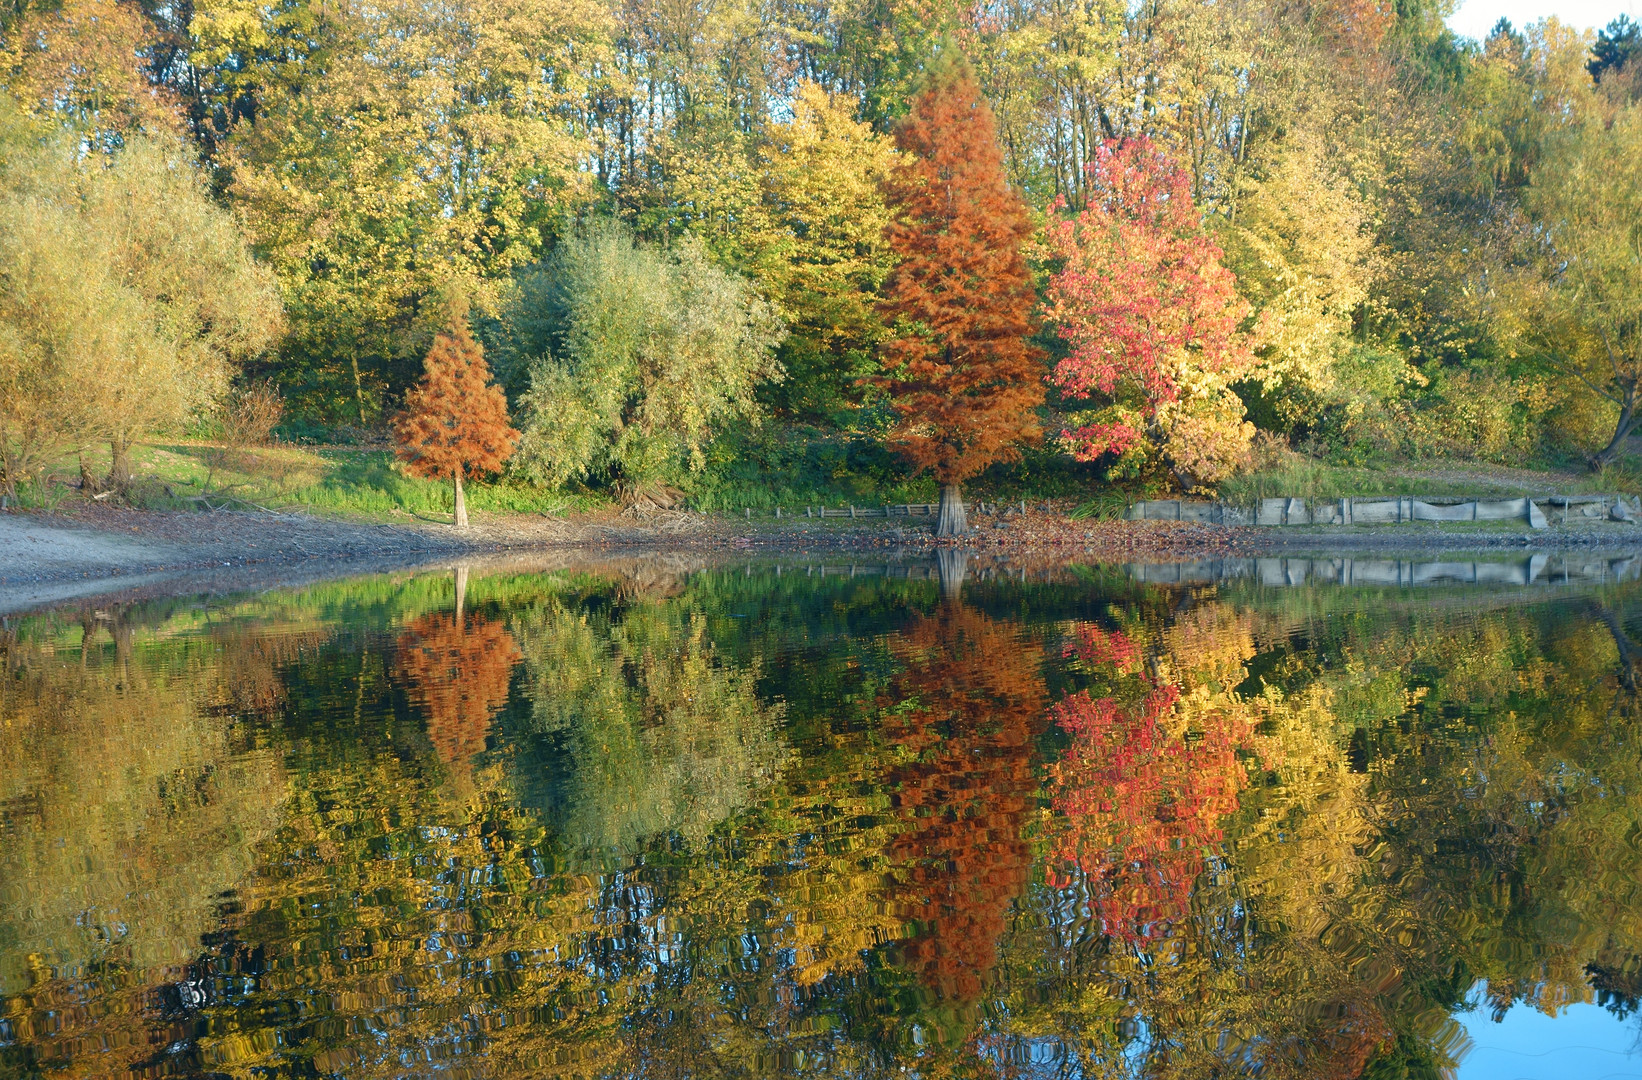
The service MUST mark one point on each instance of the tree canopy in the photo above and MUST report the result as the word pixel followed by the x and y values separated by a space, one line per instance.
pixel 962 378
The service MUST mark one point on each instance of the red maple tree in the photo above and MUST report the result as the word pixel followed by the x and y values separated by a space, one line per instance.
pixel 1153 319
pixel 455 419
pixel 963 381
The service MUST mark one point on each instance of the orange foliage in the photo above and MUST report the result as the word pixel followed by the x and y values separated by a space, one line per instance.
pixel 961 376
pixel 459 676
pixel 455 418
pixel 969 696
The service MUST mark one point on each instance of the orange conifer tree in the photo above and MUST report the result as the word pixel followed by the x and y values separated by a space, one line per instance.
pixel 961 376
pixel 455 418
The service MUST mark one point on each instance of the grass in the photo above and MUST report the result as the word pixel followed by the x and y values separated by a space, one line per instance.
pixel 364 482
pixel 350 482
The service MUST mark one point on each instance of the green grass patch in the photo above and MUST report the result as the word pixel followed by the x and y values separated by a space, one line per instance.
pixel 341 481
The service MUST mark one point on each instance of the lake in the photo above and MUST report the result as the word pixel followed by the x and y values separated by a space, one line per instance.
pixel 669 818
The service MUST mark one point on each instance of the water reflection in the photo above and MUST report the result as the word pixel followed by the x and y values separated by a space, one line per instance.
pixel 648 820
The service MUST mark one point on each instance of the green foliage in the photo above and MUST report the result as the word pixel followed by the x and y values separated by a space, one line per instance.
pixel 653 352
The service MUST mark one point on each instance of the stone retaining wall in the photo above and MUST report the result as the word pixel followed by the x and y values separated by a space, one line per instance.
pixel 1282 572
pixel 1537 511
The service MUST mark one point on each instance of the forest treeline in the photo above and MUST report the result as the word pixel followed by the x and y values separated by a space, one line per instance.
pixel 688 237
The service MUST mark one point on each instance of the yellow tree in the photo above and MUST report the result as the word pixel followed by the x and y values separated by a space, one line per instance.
pixel 815 242
pixel 81 61
pixel 433 148
pixel 1587 196
pixel 130 297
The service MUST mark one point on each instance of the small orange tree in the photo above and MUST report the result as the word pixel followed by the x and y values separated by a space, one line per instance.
pixel 964 383
pixel 455 418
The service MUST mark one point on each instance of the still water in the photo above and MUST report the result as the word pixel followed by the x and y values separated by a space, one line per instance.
pixel 650 819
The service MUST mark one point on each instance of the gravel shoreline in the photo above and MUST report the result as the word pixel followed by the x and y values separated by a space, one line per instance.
pixel 49 557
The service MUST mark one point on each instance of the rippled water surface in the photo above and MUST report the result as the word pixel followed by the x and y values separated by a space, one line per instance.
pixel 1311 818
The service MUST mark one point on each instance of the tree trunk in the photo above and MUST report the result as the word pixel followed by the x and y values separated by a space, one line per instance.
pixel 359 391
pixel 461 593
pixel 951 521
pixel 951 564
pixel 461 503
pixel 89 485
pixel 119 463
pixel 1622 431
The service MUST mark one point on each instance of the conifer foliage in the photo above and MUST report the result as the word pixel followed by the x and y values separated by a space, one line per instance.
pixel 455 419
pixel 963 380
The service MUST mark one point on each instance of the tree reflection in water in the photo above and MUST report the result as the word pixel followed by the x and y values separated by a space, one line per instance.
pixel 657 824
pixel 959 719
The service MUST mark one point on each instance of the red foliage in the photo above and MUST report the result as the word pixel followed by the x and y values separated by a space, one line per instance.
pixel 458 675
pixel 1142 297
pixel 455 419
pixel 1096 646
pixel 969 695
pixel 961 376
pixel 1141 802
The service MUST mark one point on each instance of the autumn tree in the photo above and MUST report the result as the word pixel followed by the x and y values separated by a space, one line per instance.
pixel 961 376
pixel 1586 311
pixel 457 668
pixel 128 297
pixel 1142 799
pixel 82 62
pixel 455 418
pixel 1153 321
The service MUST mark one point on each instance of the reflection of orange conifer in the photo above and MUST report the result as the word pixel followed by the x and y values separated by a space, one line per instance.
pixel 1141 800
pixel 458 675
pixel 970 692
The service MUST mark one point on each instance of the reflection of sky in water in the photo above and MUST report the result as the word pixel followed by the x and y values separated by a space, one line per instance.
pixel 1583 1042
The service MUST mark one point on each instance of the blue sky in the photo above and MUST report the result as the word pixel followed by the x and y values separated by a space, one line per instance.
pixel 1474 18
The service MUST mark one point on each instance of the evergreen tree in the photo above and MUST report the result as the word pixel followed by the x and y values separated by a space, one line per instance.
pixel 455 418
pixel 959 371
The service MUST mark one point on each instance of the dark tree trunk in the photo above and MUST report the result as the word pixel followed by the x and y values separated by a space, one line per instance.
pixel 88 483
pixel 951 521
pixel 461 503
pixel 1630 653
pixel 119 463
pixel 1622 431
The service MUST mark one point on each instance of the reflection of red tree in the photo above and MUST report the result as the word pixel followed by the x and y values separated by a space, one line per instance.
pixel 1141 799
pixel 966 702
pixel 458 675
